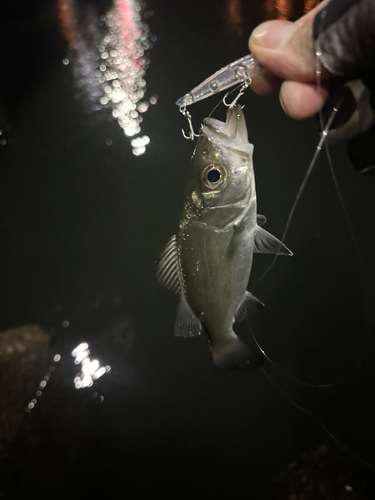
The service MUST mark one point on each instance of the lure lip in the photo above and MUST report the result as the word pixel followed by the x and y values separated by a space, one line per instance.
pixel 239 71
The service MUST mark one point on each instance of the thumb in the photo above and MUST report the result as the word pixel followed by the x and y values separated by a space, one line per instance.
pixel 286 49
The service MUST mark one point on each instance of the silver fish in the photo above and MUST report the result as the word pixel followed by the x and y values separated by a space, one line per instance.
pixel 208 261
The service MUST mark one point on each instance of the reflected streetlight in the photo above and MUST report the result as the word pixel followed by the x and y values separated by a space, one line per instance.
pixel 109 59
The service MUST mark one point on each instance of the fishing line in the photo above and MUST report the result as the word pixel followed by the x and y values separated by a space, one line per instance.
pixel 297 199
pixel 319 147
pixel 302 187
pixel 289 220
pixel 345 212
pixel 354 240
pixel 317 420
pixel 290 377
pixel 361 267
pixel 222 101
pixel 322 140
pixel 299 407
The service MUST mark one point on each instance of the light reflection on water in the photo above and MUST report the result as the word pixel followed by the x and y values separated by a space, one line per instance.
pixel 90 368
pixel 310 4
pixel 43 383
pixel 233 17
pixel 109 59
pixel 279 9
pixel 285 9
pixel 90 371
pixel 139 144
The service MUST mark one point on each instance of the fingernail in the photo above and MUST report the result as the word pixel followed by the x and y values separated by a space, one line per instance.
pixel 273 34
pixel 283 105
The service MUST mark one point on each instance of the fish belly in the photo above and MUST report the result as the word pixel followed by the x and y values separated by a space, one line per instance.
pixel 216 266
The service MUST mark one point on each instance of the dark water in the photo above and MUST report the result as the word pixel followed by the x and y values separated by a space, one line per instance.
pixel 84 215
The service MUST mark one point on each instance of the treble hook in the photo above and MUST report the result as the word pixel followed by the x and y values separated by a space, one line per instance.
pixel 243 87
pixel 187 115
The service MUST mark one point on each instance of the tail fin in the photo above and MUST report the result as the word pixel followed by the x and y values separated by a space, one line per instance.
pixel 236 354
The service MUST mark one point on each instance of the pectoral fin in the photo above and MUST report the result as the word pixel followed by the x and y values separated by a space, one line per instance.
pixel 168 272
pixel 265 242
pixel 241 224
pixel 249 304
pixel 187 324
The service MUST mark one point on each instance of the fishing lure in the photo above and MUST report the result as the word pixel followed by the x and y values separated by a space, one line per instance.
pixel 242 70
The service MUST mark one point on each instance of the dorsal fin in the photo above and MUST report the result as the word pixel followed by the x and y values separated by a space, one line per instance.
pixel 167 273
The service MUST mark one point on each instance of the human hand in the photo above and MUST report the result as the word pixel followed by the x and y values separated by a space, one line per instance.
pixel 286 52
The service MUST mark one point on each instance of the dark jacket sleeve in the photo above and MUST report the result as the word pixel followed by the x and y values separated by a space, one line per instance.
pixel 344 33
pixel 344 38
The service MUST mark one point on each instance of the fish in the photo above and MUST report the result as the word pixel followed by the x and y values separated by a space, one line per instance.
pixel 208 261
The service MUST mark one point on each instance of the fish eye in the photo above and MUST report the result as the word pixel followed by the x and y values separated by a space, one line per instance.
pixel 213 176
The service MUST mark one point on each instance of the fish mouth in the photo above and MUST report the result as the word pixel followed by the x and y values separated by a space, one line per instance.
pixel 239 202
pixel 232 133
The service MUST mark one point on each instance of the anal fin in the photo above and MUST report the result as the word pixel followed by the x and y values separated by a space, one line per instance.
pixel 187 324
pixel 249 304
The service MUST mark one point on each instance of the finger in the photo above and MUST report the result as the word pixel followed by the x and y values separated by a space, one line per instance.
pixel 286 49
pixel 265 82
pixel 302 100
pixel 309 17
